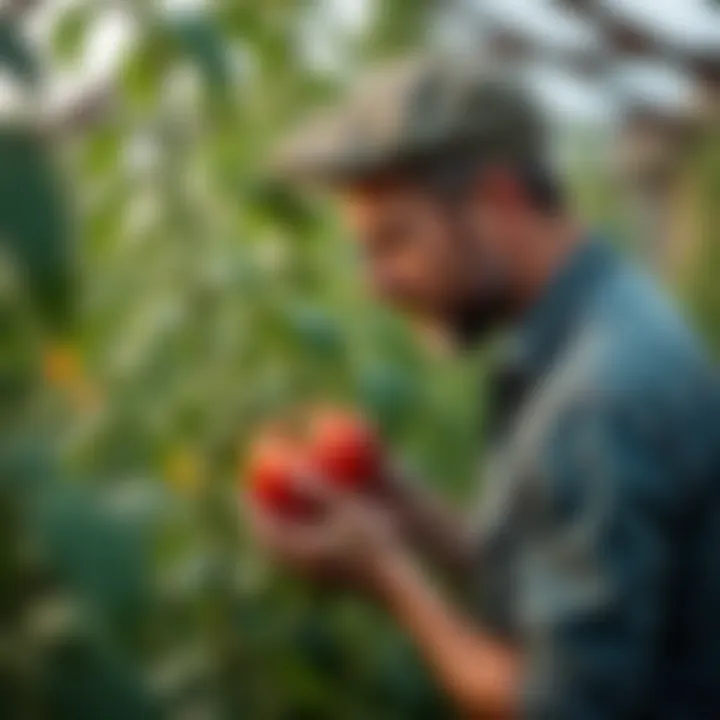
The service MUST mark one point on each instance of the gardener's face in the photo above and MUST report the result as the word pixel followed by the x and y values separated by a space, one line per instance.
pixel 441 263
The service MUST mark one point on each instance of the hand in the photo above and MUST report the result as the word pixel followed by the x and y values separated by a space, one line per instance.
pixel 348 540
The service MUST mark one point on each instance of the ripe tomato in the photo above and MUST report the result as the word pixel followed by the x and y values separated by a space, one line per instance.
pixel 273 465
pixel 345 449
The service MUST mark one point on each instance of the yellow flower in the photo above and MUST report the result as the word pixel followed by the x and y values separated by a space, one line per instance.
pixel 183 470
pixel 63 369
pixel 62 366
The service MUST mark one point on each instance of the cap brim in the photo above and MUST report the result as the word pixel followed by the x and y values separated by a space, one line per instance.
pixel 326 151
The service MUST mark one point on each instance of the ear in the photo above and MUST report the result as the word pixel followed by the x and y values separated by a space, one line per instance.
pixel 501 188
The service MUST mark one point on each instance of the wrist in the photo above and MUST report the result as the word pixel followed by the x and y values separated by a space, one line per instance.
pixel 391 489
pixel 388 566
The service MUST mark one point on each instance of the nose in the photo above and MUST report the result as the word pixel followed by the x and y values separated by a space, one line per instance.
pixel 392 289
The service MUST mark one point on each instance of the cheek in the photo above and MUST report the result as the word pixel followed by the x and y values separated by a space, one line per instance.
pixel 487 228
pixel 416 276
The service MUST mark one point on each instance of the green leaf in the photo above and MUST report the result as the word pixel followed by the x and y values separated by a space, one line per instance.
pixel 200 38
pixel 144 71
pixel 35 223
pixel 69 33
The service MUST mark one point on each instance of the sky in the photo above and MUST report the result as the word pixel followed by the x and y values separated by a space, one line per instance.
pixel 691 23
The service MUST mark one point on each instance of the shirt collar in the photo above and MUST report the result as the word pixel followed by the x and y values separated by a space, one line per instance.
pixel 544 329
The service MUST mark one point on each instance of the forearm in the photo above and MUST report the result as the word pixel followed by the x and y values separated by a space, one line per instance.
pixel 428 525
pixel 479 673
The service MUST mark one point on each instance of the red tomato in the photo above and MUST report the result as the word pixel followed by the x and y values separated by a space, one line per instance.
pixel 345 449
pixel 273 465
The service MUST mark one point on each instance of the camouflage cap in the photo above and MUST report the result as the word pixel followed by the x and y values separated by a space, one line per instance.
pixel 413 109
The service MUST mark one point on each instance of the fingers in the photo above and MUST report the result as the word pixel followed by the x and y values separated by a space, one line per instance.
pixel 295 544
pixel 319 491
pixel 275 531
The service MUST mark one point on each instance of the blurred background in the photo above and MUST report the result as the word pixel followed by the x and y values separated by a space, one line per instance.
pixel 158 300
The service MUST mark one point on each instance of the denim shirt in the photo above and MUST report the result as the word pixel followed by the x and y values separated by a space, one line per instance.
pixel 598 536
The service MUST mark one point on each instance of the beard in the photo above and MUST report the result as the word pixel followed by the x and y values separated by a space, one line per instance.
pixel 482 303
pixel 475 321
pixel 464 324
pixel 469 308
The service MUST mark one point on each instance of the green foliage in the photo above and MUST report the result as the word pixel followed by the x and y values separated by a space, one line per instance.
pixel 702 288
pixel 209 300
pixel 34 222
pixel 69 32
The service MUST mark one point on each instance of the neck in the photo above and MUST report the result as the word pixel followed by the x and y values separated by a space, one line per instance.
pixel 544 254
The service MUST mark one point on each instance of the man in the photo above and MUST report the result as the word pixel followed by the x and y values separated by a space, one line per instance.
pixel 595 558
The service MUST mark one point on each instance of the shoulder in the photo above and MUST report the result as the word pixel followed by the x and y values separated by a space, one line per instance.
pixel 637 379
pixel 634 348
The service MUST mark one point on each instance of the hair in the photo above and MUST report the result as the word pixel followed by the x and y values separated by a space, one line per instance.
pixel 452 175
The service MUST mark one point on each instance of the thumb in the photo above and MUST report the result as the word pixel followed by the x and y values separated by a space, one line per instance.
pixel 317 488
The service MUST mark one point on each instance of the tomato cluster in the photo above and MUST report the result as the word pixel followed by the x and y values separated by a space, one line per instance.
pixel 339 447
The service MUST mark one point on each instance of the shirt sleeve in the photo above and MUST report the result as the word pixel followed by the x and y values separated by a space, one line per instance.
pixel 593 568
